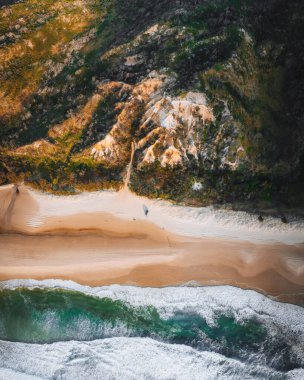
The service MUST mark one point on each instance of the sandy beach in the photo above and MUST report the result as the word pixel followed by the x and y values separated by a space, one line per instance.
pixel 106 238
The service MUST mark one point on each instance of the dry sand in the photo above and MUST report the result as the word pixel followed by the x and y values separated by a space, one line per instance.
pixel 40 241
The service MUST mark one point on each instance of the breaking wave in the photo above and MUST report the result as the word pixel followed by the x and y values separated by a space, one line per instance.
pixel 121 332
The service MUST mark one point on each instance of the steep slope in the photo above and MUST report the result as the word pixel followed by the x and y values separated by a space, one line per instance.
pixel 209 93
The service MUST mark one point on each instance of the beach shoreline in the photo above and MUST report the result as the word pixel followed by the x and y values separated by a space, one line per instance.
pixel 43 239
pixel 23 209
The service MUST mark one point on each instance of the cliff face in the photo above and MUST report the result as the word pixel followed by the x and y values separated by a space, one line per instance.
pixel 210 94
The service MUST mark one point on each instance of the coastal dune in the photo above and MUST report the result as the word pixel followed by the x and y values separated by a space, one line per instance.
pixel 103 238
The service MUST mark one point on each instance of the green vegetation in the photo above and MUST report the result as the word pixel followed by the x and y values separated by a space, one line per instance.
pixel 245 56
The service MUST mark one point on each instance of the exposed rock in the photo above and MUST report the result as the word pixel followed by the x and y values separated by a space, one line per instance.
pixel 197 186
pixel 115 147
pixel 208 93
pixel 134 60
pixel 170 126
pixel 38 148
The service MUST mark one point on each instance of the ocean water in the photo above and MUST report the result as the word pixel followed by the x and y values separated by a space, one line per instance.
pixel 62 330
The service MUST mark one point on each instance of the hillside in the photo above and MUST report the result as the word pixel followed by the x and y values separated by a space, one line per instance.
pixel 208 93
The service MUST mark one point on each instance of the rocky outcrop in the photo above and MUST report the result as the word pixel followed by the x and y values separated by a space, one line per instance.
pixel 172 129
pixel 115 147
pixel 209 93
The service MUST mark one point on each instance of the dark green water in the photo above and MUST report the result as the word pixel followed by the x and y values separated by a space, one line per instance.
pixel 44 316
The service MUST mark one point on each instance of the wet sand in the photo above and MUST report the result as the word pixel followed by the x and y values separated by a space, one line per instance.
pixel 98 248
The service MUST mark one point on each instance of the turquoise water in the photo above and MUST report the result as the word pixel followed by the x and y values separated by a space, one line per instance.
pixel 55 315
pixel 44 316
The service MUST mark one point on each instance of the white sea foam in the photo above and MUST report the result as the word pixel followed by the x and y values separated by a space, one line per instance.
pixel 208 301
pixel 190 221
pixel 142 358
pixel 122 358
pixel 11 374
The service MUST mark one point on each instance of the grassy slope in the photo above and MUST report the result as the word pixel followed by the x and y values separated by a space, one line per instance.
pixel 233 50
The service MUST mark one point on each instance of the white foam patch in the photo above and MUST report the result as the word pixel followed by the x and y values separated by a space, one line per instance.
pixel 296 374
pixel 121 358
pixel 187 221
pixel 143 358
pixel 11 374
